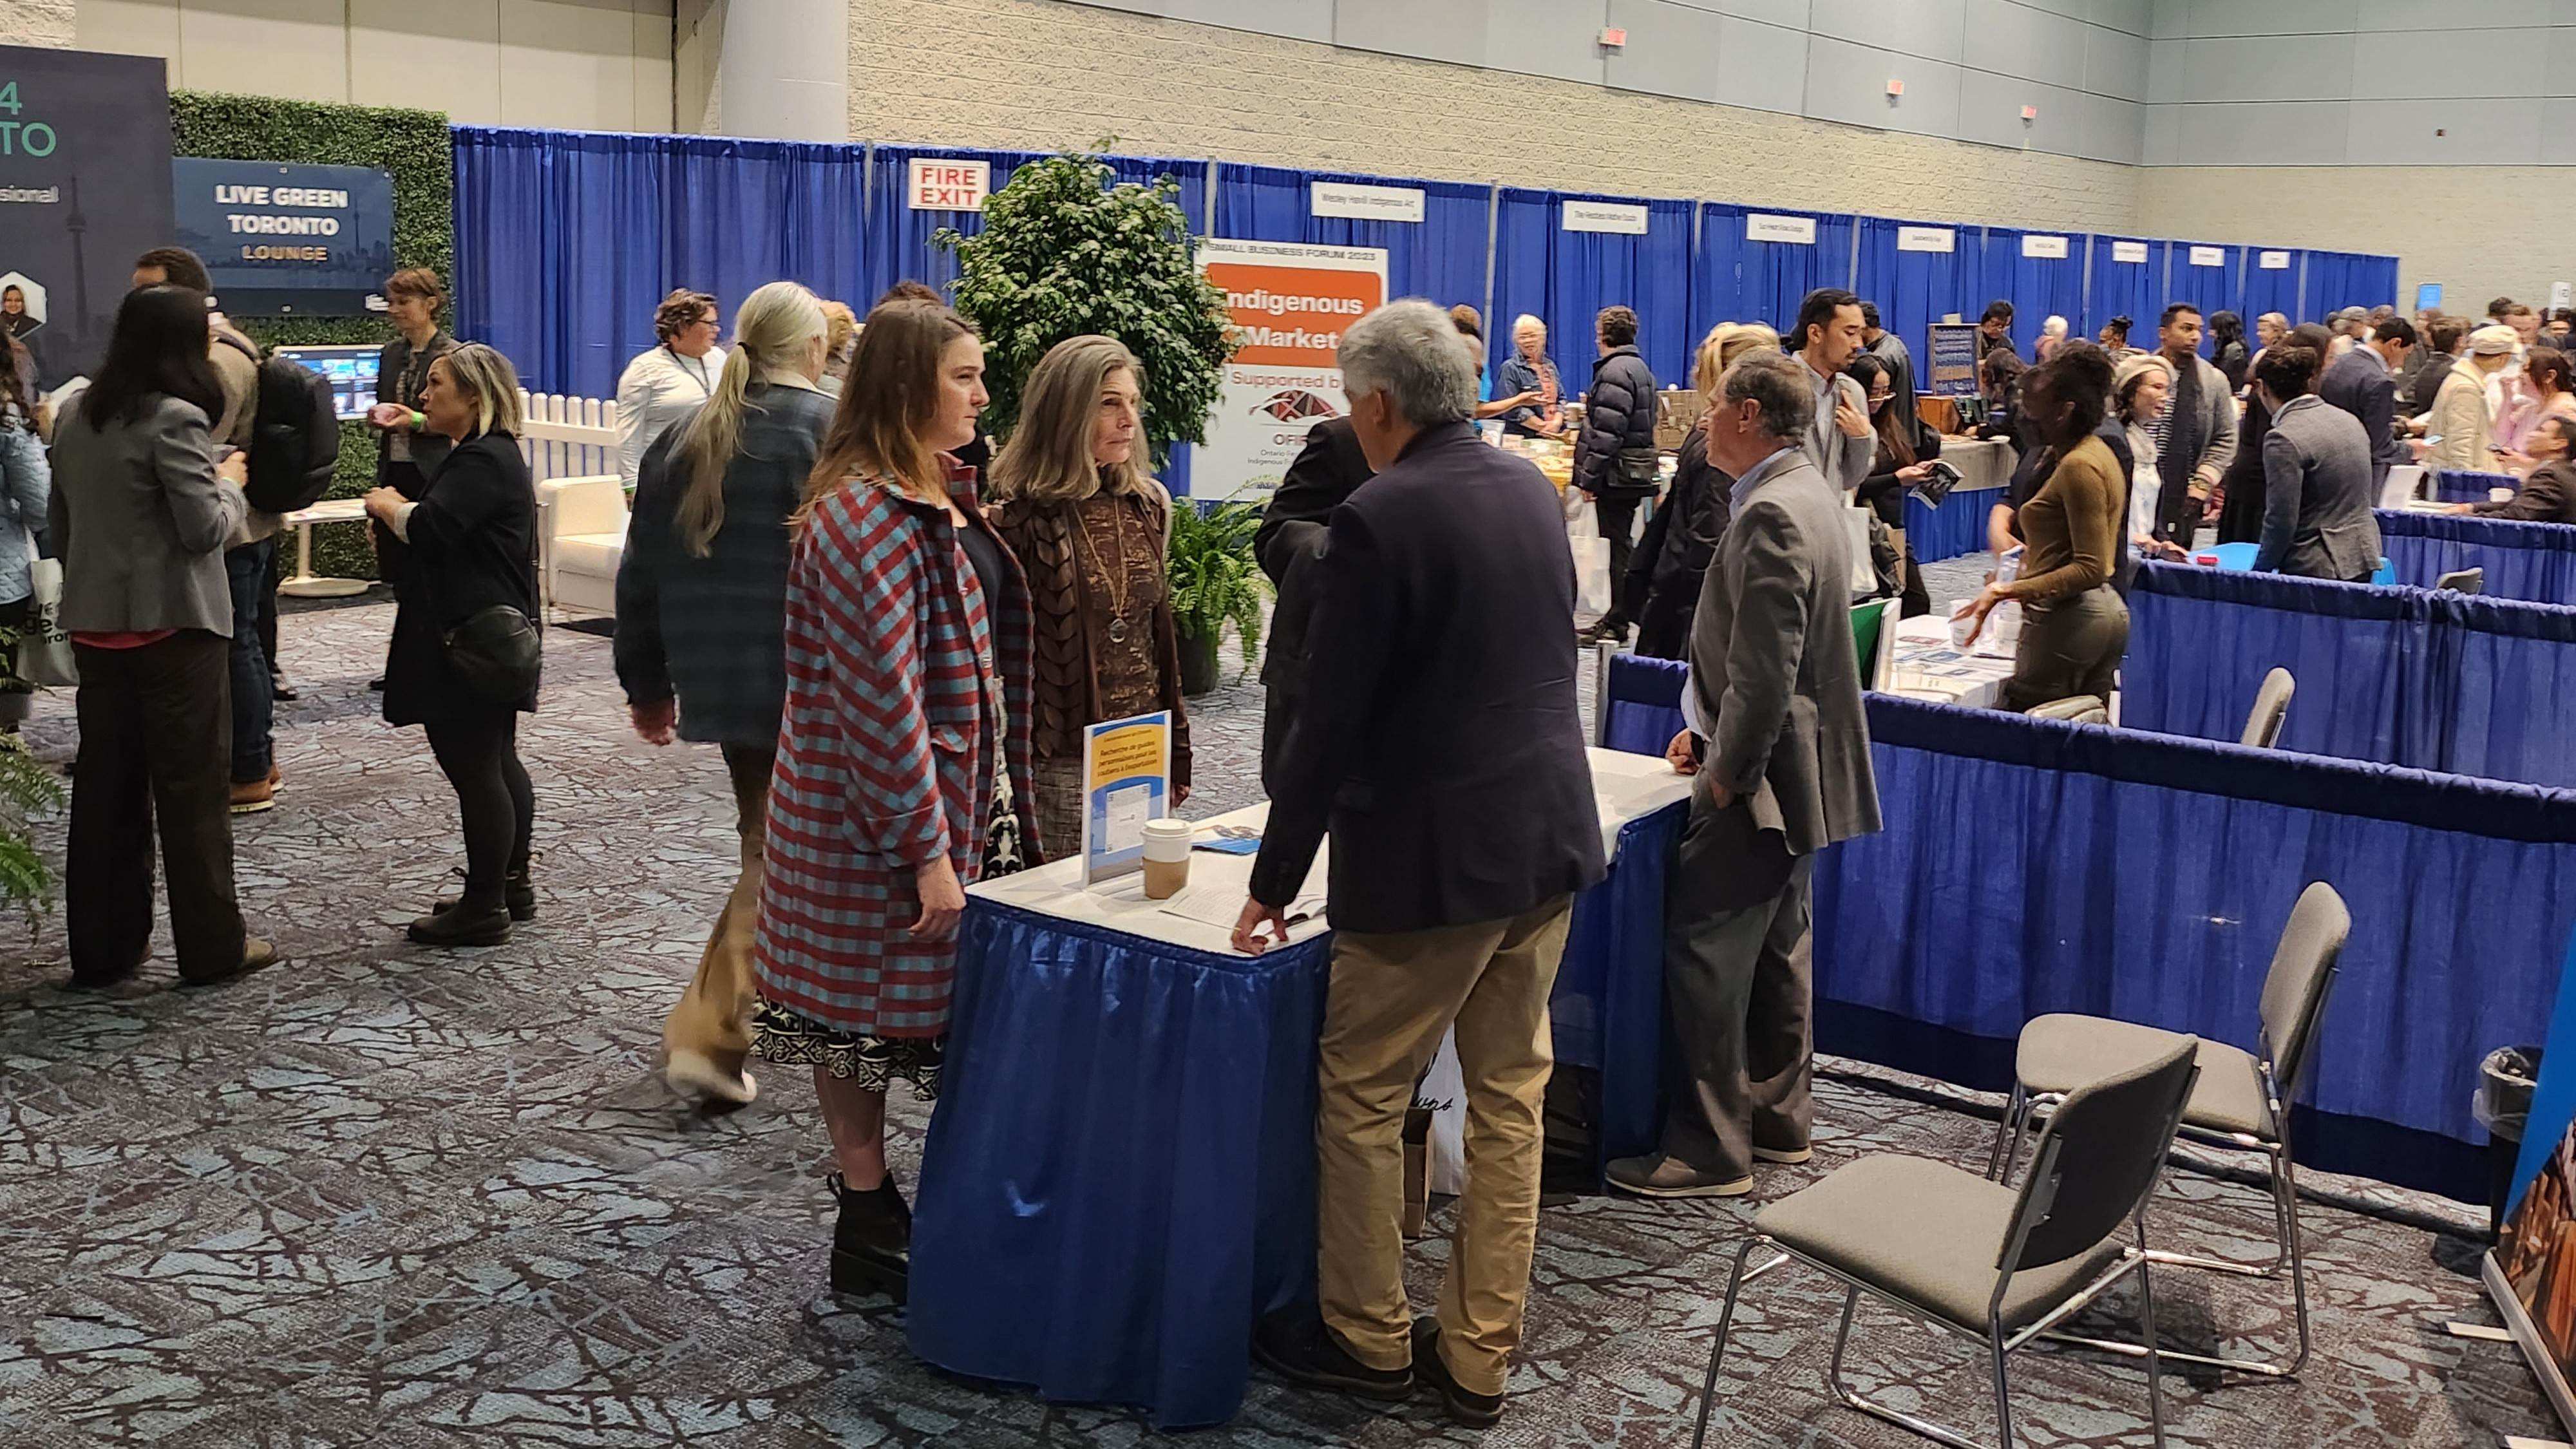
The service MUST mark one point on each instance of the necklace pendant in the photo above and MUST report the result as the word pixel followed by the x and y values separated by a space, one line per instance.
pixel 1117 631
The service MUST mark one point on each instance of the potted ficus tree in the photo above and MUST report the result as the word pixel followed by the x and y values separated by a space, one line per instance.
pixel 1065 252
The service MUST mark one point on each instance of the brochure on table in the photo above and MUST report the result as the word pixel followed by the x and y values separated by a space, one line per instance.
pixel 1126 781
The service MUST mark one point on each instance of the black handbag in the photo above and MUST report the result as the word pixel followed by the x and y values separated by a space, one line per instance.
pixel 496 651
pixel 1637 473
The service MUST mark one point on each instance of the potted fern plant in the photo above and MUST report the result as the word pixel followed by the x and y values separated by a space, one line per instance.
pixel 27 788
pixel 1216 581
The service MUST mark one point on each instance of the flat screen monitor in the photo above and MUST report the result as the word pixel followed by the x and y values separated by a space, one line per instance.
pixel 351 370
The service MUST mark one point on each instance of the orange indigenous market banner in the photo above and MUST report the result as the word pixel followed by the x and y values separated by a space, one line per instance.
pixel 1289 302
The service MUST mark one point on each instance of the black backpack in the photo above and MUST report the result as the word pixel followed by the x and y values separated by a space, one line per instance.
pixel 295 434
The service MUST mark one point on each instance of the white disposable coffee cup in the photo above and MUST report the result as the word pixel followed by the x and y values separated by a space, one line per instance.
pixel 1167 857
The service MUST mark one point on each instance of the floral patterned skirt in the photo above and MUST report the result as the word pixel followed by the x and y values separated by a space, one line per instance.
pixel 876 1062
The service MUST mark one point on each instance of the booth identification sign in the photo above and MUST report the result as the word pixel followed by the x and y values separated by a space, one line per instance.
pixel 1365 203
pixel 1795 230
pixel 940 184
pixel 1622 218
pixel 280 240
pixel 1289 303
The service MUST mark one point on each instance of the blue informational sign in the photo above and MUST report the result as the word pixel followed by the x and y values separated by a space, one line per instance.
pixel 84 141
pixel 2428 296
pixel 287 240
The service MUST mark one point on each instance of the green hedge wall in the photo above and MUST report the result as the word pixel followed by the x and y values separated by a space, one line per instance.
pixel 414 147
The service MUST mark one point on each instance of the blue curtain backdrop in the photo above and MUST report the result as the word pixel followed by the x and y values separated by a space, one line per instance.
pixel 2264 291
pixel 2337 280
pixel 566 240
pixel 2148 879
pixel 2211 289
pixel 2430 681
pixel 1914 289
pixel 1566 277
pixel 1441 257
pixel 2535 562
pixel 1736 280
pixel 2038 287
pixel 2135 290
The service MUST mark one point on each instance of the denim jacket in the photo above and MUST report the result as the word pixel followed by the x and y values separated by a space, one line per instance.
pixel 26 485
pixel 1518 375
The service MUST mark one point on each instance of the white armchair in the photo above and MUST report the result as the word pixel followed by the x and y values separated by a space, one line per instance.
pixel 581 533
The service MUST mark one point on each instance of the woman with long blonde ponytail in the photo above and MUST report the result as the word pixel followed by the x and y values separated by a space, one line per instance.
pixel 701 626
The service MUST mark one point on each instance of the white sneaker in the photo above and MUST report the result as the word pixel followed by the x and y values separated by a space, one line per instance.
pixel 694 1074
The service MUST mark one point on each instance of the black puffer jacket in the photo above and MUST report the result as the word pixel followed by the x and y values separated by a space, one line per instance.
pixel 1618 415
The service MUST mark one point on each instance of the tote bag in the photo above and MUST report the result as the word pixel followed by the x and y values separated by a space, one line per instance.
pixel 44 650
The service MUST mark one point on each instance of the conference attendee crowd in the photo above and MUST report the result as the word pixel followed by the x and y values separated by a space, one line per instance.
pixel 895 633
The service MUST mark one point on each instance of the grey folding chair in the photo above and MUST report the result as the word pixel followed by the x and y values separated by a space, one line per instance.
pixel 2242 1102
pixel 2466 581
pixel 2271 710
pixel 2077 709
pixel 1978 1259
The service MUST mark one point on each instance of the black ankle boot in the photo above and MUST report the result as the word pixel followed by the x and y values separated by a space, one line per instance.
pixel 872 1242
pixel 469 922
pixel 518 891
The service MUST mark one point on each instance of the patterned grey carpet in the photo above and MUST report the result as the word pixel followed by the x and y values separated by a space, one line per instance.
pixel 386 1196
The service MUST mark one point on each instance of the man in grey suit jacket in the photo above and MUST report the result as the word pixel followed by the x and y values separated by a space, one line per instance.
pixel 1781 751
pixel 2317 477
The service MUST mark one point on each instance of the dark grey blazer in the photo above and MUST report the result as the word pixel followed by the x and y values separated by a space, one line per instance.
pixel 2317 494
pixel 1771 659
pixel 140 521
pixel 2359 383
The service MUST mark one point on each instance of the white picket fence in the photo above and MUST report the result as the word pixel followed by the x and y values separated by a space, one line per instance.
pixel 567 437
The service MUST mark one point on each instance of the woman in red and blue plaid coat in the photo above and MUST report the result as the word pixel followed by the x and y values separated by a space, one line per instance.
pixel 902 757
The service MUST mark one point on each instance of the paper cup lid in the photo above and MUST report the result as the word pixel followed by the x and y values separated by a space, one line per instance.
pixel 1169 829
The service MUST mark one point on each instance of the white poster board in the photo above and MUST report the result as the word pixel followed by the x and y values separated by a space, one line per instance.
pixel 2128 251
pixel 1289 303
pixel 2046 248
pixel 1926 239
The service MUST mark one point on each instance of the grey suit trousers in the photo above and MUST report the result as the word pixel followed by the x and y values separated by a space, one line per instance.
pixel 1739 980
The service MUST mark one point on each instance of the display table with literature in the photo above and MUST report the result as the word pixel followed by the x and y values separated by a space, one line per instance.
pixel 1958 526
pixel 1120 1176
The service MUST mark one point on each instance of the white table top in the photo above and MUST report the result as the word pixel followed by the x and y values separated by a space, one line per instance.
pixel 1927 666
pixel 1627 787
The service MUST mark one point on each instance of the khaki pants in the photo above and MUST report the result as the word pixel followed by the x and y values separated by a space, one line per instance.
pixel 1392 996
pixel 713 1017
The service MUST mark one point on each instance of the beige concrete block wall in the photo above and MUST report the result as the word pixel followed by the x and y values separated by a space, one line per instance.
pixel 1040 74
pixel 36 22
pixel 2480 231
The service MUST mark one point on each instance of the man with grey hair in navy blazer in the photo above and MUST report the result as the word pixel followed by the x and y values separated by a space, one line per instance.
pixel 1441 747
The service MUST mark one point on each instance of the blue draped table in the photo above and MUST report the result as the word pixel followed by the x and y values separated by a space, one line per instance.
pixel 1955 529
pixel 2465 485
pixel 2390 675
pixel 2534 562
pixel 2029 866
pixel 1120 1174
